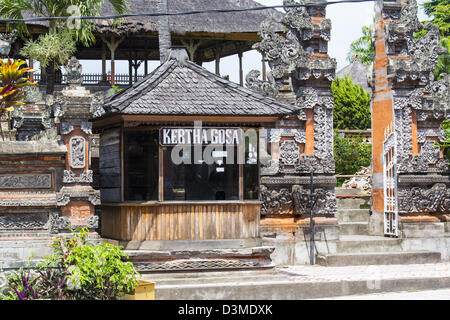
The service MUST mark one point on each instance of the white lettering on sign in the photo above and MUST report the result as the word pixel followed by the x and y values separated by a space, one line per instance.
pixel 200 136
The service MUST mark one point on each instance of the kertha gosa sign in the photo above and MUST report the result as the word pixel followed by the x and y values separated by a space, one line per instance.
pixel 201 136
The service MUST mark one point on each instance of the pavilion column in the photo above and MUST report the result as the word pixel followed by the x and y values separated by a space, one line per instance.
pixel 146 59
pixel 31 66
pixel 136 65
pixel 191 48
pixel 130 64
pixel 103 62
pixel 218 52
pixel 241 69
pixel 112 44
pixel 264 70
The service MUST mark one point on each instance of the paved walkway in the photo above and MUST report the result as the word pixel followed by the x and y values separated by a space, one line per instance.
pixel 443 294
pixel 371 273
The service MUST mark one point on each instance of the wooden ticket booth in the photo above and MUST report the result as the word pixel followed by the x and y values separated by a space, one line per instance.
pixel 179 156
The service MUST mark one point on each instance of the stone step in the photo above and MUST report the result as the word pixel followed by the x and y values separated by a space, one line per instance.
pixel 378 258
pixel 301 282
pixel 353 203
pixel 353 215
pixel 361 243
pixel 201 259
pixel 189 279
pixel 354 228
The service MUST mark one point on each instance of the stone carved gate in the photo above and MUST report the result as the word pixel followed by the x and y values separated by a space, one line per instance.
pixel 301 74
pixel 407 94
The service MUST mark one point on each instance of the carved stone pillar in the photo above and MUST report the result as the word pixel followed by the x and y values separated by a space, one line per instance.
pixel 73 110
pixel 417 106
pixel 301 74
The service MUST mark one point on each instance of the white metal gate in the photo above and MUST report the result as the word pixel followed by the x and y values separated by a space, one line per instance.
pixel 390 182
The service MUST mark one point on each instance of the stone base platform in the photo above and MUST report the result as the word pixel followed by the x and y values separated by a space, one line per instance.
pixel 201 259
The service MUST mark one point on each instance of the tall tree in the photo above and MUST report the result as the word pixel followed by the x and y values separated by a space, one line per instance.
pixel 81 30
pixel 352 105
pixel 362 48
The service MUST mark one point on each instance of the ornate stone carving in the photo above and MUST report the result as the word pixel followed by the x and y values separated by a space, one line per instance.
pixel 309 98
pixel 93 222
pixel 424 200
pixel 282 53
pixel 98 111
pixel 67 194
pixel 270 168
pixel 423 52
pixel 298 134
pixel 94 198
pixel 276 201
pixel 23 222
pixel 66 128
pixel 323 133
pixel 266 88
pixel 86 127
pixel 77 152
pixel 308 164
pixel 85 177
pixel 74 71
pixel 6 40
pixel 289 152
pixel 26 181
pixel 324 201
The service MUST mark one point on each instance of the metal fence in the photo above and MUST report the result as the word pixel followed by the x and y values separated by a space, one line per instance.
pixel 94 78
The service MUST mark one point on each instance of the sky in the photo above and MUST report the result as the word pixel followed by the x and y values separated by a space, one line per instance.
pixel 347 20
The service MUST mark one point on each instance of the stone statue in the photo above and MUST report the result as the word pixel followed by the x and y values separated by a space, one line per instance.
pixel 74 72
pixel 6 40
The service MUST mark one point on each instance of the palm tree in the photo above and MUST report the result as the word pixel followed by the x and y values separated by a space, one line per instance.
pixel 81 31
pixel 362 48
pixel 164 31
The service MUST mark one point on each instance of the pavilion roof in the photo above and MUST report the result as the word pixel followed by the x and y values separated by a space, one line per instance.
pixel 181 87
pixel 230 22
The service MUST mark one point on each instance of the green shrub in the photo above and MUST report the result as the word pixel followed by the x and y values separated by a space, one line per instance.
pixel 350 155
pixel 95 271
pixel 76 270
pixel 351 105
pixel 446 143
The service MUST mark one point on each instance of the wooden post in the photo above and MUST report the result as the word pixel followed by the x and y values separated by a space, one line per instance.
pixel 218 60
pixel 241 69
pixel 31 66
pixel 161 174
pixel 146 59
pixel 103 62
pixel 191 48
pixel 112 44
pixel 130 63
pixel 264 70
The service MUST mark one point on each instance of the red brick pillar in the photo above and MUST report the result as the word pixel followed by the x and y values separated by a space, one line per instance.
pixel 382 117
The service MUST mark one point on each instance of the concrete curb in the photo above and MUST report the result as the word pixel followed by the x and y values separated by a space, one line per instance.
pixel 283 290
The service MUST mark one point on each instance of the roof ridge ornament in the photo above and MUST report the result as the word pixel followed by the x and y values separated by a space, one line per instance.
pixel 179 54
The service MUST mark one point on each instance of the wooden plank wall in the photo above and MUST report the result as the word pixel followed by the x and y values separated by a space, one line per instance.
pixel 109 166
pixel 181 221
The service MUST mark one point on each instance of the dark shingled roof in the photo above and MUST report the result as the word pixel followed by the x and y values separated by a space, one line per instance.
pixel 230 22
pixel 181 87
pixel 358 72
